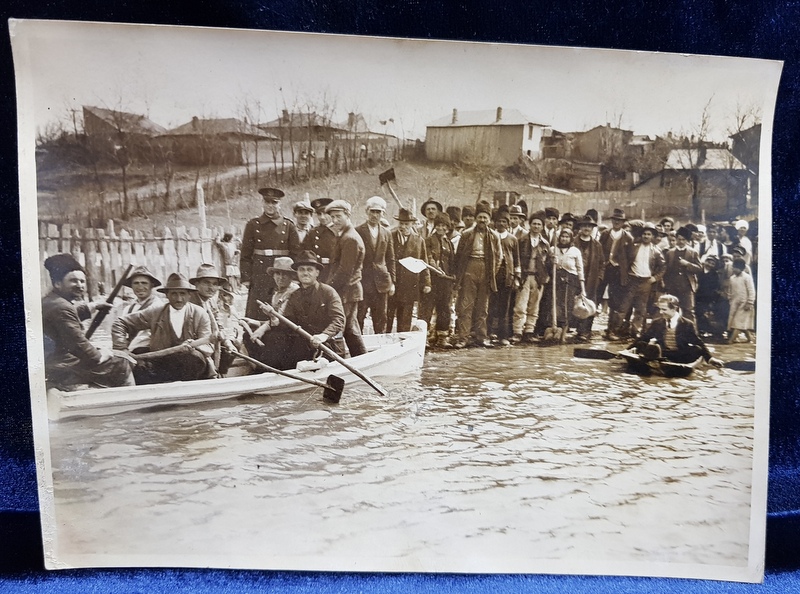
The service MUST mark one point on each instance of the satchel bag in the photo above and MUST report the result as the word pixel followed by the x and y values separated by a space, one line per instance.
pixel 583 308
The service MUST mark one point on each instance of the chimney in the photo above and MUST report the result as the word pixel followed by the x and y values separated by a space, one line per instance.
pixel 351 120
pixel 455 116
pixel 499 114
pixel 285 116
pixel 195 123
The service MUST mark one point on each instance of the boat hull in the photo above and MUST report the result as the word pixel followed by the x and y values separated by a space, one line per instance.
pixel 388 355
pixel 659 367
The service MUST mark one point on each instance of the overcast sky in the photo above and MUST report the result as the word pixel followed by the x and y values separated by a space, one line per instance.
pixel 171 74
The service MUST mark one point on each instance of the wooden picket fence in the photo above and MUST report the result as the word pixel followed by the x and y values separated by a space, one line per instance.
pixel 106 253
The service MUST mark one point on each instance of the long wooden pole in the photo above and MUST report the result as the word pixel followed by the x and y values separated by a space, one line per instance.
pixel 328 351
pixel 101 315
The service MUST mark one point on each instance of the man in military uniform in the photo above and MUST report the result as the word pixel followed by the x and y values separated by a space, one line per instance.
pixel 265 238
pixel 322 238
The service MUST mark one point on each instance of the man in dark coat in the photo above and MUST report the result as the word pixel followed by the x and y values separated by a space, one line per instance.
pixel 617 246
pixel 533 260
pixel 683 266
pixel 429 209
pixel 441 255
pixel 507 279
pixel 675 336
pixel 378 274
pixel 593 268
pixel 345 273
pixel 265 238
pixel 409 285
pixel 315 307
pixel 321 239
pixel 70 358
pixel 477 262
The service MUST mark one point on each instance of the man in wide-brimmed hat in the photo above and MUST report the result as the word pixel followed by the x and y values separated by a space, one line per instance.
pixel 322 238
pixel 208 281
pixel 682 267
pixel 143 283
pixel 617 249
pixel 594 266
pixel 180 336
pixel 517 220
pixel 409 286
pixel 476 264
pixel 347 264
pixel 265 238
pixel 533 258
pixel 378 273
pixel 429 209
pixel 69 358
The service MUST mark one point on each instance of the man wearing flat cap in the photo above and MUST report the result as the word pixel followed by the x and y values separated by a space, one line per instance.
pixel 303 212
pixel 180 336
pixel 322 238
pixel 378 274
pixel 682 267
pixel 69 358
pixel 265 238
pixel 345 273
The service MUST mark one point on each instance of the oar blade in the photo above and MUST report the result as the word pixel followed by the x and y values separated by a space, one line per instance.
pixel 600 354
pixel 741 365
pixel 333 391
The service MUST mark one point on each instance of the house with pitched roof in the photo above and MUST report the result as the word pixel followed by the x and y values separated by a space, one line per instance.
pixel 218 141
pixel 490 137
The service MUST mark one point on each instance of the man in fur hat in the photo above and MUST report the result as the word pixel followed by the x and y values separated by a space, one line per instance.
pixel 69 358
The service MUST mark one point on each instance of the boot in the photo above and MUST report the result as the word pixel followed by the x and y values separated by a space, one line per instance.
pixel 442 341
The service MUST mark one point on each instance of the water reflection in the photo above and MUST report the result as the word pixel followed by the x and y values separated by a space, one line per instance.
pixel 491 454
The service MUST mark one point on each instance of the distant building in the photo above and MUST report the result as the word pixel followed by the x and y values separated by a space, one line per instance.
pixel 745 146
pixel 98 121
pixel 301 126
pixel 493 137
pixel 361 142
pixel 600 144
pixel 217 141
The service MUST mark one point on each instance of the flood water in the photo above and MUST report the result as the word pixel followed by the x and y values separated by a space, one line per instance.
pixel 489 459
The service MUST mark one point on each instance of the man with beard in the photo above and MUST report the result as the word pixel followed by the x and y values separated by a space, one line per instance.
pixel 477 261
pixel 682 267
pixel 345 273
pixel 410 286
pixel 69 358
pixel 378 274
pixel 265 238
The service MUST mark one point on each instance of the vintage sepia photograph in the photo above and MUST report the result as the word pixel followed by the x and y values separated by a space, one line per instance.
pixel 324 302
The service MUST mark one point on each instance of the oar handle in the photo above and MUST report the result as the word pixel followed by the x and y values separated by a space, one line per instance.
pixel 328 351
pixel 101 315
pixel 266 367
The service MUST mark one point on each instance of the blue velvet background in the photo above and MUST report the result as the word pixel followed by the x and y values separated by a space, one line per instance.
pixel 764 29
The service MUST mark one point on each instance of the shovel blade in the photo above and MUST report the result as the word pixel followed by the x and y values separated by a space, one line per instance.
pixel 387 176
pixel 333 392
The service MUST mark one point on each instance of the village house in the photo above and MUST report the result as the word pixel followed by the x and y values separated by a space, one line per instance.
pixel 490 137
pixel 601 144
pixel 699 181
pixel 218 141
pixel 361 142
pixel 113 131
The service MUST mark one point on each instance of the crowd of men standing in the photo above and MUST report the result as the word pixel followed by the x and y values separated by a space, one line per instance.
pixel 509 277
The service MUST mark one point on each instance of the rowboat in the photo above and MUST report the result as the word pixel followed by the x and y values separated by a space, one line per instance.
pixel 388 355
pixel 638 364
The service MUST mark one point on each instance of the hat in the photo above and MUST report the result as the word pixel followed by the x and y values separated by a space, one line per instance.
pixel 691 227
pixel 339 205
pixel 618 214
pixel 438 205
pixel 739 264
pixel 523 205
pixel 516 211
pixel 60 265
pixel 303 205
pixel 483 207
pixel 307 258
pixel 684 232
pixel 206 271
pixel 141 271
pixel 592 213
pixel 551 212
pixel 567 217
pixel 467 211
pixel 669 220
pixel 176 281
pixel 454 212
pixel 376 203
pixel 319 204
pixel 384 222
pixel 273 193
pixel 711 259
pixel 701 228
pixel 442 219
pixel 282 264
pixel 585 220
pixel 739 250
pixel 741 224
pixel 648 226
pixel 405 216
pixel 226 289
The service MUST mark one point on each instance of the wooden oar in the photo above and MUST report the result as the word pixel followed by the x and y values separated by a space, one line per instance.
pixel 101 315
pixel 332 390
pixel 328 351
pixel 605 355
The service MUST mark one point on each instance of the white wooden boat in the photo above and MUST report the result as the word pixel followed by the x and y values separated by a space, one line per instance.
pixel 388 355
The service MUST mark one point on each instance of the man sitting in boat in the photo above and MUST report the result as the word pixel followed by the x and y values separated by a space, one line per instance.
pixel 180 337
pixel 70 359
pixel 672 337
pixel 315 307
pixel 143 284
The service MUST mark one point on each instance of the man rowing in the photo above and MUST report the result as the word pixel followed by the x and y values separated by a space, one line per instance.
pixel 70 359
pixel 180 337
pixel 143 284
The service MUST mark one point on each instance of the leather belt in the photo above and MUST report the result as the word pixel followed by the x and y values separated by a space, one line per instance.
pixel 271 252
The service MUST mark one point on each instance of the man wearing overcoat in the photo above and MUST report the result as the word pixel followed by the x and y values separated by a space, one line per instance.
pixel 378 274
pixel 321 239
pixel 265 238
pixel 617 246
pixel 533 258
pixel 410 286
pixel 682 267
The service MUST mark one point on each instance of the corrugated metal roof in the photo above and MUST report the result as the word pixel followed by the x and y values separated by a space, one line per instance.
pixel 485 117
pixel 130 123
pixel 219 127
pixel 716 158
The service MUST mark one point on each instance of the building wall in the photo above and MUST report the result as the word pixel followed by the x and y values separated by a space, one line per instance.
pixel 494 145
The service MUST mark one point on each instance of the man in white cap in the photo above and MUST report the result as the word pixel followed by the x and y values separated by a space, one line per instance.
pixel 741 228
pixel 378 273
pixel 345 273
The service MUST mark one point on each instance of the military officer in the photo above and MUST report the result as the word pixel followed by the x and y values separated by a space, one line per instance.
pixel 321 239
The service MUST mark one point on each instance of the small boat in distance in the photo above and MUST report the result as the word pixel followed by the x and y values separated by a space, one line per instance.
pixel 388 355
pixel 639 364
